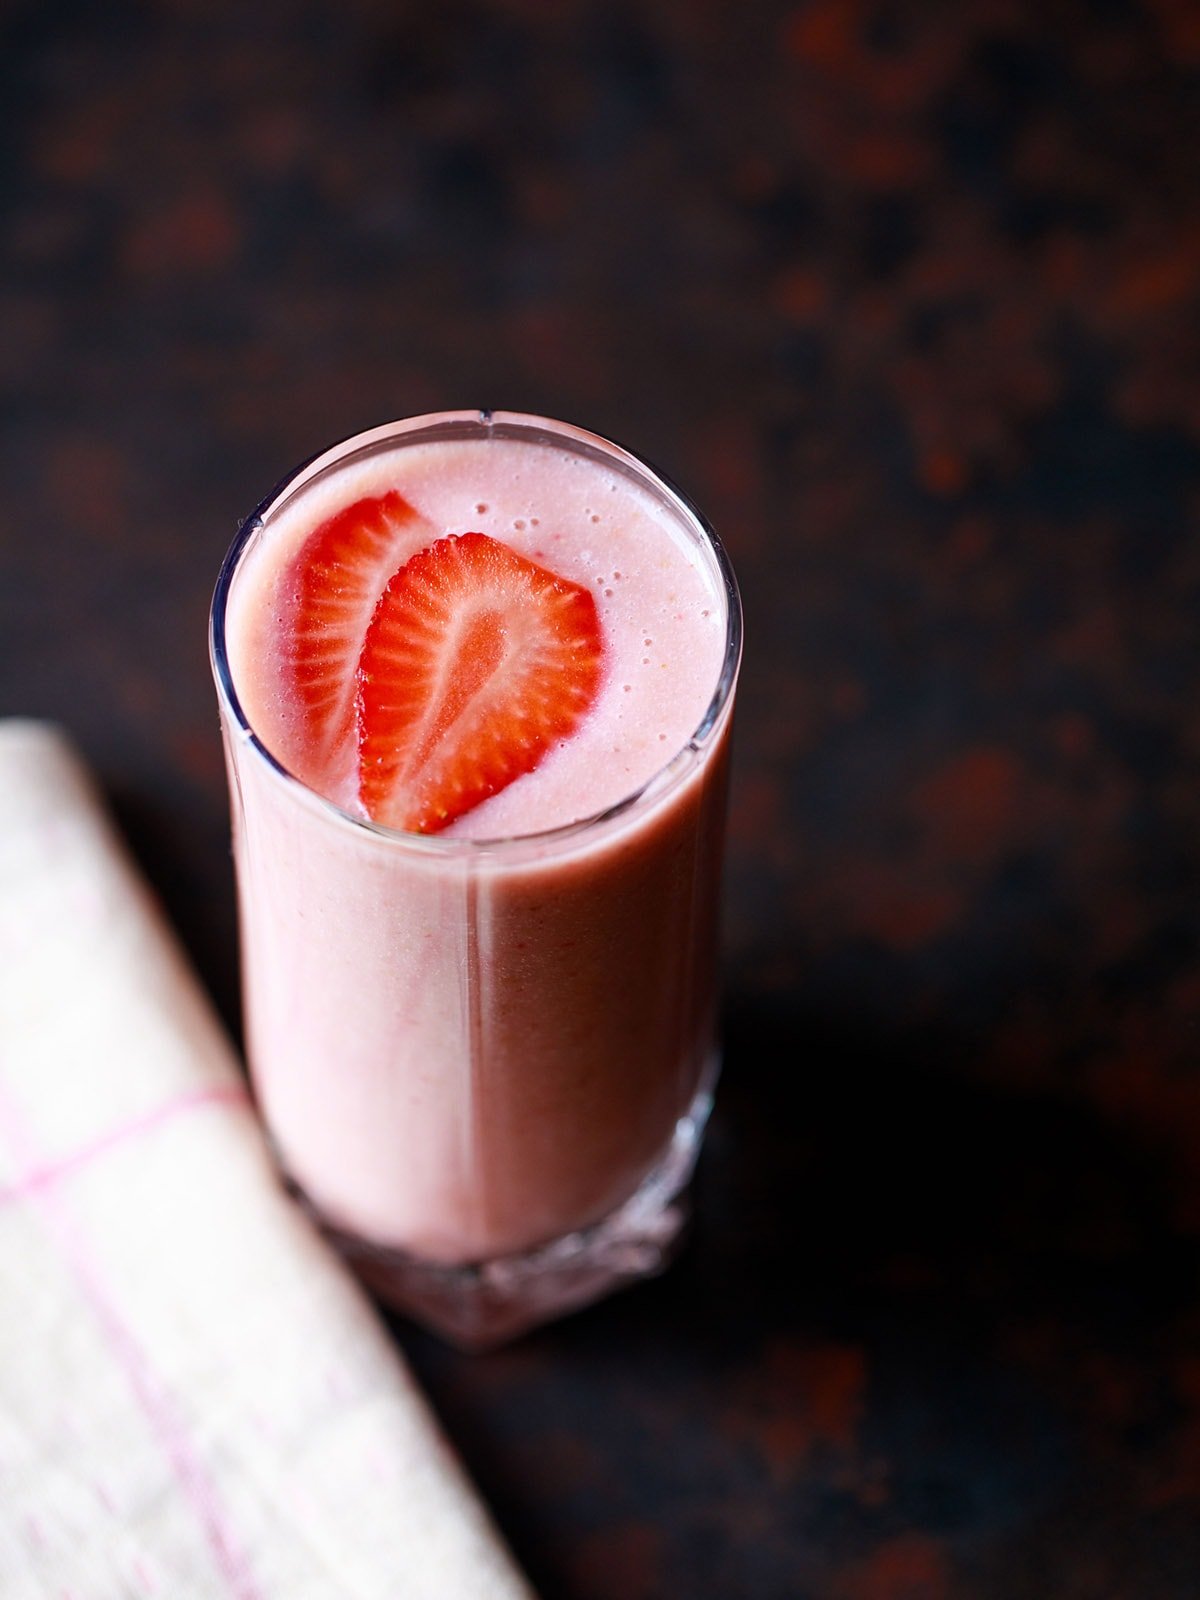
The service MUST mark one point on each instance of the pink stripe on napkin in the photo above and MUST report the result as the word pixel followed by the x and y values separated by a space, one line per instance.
pixel 38 1177
pixel 154 1398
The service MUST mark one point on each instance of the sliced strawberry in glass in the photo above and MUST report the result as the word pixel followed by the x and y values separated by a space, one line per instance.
pixel 335 581
pixel 475 664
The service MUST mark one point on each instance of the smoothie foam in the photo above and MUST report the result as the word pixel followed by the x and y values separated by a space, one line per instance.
pixel 661 611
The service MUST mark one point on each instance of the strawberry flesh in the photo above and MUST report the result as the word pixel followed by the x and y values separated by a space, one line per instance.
pixel 475 664
pixel 334 584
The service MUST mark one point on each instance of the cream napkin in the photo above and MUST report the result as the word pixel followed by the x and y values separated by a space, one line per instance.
pixel 194 1398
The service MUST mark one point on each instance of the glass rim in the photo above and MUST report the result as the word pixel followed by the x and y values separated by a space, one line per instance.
pixel 481 423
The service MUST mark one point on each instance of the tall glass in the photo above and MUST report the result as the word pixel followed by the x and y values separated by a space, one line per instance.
pixel 485 1064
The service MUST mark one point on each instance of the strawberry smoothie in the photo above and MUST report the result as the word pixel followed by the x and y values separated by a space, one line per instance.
pixel 476 676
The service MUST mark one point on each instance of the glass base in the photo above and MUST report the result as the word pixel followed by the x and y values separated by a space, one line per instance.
pixel 484 1304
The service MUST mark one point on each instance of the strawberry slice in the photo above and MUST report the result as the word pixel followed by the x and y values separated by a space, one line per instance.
pixel 476 662
pixel 335 581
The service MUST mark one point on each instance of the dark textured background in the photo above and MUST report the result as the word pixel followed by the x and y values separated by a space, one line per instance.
pixel 906 295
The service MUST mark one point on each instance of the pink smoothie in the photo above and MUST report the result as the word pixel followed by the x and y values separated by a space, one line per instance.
pixel 469 1044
